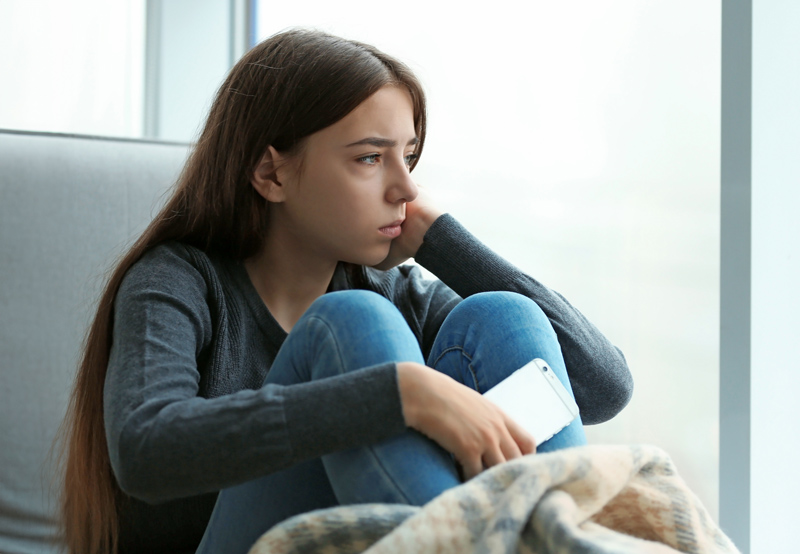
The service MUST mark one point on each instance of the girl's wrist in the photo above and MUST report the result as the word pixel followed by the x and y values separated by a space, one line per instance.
pixel 420 225
pixel 410 382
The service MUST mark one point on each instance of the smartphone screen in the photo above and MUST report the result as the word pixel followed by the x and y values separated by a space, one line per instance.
pixel 534 397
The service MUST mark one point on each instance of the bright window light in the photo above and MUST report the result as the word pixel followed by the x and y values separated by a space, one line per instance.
pixel 581 141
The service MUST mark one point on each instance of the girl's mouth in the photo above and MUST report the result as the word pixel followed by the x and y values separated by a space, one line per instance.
pixel 392 230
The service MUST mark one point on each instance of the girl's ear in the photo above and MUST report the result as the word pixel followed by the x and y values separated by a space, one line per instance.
pixel 265 176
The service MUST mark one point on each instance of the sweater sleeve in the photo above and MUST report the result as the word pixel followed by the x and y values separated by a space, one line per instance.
pixel 598 372
pixel 166 442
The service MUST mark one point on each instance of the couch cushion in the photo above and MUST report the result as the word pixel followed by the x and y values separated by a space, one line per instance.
pixel 68 206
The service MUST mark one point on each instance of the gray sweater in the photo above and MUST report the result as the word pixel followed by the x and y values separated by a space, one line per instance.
pixel 185 410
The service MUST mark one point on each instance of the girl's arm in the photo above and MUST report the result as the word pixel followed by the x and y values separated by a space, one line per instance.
pixel 166 441
pixel 598 372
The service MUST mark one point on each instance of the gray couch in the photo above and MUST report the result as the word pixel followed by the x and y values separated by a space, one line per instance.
pixel 68 206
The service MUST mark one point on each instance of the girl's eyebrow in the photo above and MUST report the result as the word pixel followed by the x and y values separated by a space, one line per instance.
pixel 381 142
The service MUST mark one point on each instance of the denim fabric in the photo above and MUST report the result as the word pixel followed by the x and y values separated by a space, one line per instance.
pixel 482 341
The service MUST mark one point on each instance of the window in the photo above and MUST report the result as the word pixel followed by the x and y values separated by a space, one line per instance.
pixel 581 141
pixel 73 67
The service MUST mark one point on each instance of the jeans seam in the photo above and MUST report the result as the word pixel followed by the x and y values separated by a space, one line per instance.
pixel 472 371
pixel 342 369
pixel 369 448
pixel 387 475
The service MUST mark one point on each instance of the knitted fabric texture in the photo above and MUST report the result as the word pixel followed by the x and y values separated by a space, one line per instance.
pixel 598 499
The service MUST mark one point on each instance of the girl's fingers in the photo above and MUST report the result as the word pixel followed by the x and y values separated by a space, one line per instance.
pixel 471 467
pixel 462 421
pixel 523 439
pixel 493 457
pixel 510 448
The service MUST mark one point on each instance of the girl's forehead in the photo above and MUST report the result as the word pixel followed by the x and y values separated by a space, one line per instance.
pixel 387 114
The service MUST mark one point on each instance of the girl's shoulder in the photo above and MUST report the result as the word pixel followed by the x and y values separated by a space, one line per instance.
pixel 173 268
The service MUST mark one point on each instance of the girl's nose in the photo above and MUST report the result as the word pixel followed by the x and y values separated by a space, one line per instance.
pixel 401 186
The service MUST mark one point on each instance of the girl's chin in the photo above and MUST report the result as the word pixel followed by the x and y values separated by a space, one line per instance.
pixel 369 259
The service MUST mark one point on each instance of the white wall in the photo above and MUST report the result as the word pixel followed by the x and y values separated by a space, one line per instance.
pixel 73 67
pixel 775 324
pixel 581 141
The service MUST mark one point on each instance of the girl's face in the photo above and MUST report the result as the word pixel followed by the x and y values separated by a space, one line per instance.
pixel 348 198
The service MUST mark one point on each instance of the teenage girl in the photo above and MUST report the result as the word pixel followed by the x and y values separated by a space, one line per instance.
pixel 259 352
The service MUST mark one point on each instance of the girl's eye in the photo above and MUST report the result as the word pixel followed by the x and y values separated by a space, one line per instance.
pixel 371 159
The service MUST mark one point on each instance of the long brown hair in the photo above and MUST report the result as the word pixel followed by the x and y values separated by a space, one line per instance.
pixel 286 88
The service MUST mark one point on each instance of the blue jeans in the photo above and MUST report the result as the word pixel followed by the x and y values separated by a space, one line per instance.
pixel 483 340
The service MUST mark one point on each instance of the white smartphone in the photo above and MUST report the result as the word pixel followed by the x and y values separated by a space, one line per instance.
pixel 535 398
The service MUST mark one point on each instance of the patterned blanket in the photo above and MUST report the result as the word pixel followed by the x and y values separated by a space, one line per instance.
pixel 590 499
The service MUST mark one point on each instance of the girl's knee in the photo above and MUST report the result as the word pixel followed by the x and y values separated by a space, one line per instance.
pixel 490 335
pixel 345 331
pixel 353 305
pixel 502 308
pixel 348 300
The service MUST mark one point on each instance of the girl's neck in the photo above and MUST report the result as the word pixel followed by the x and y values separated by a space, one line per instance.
pixel 288 279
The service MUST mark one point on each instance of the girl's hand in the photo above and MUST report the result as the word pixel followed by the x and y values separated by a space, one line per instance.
pixel 478 433
pixel 420 215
